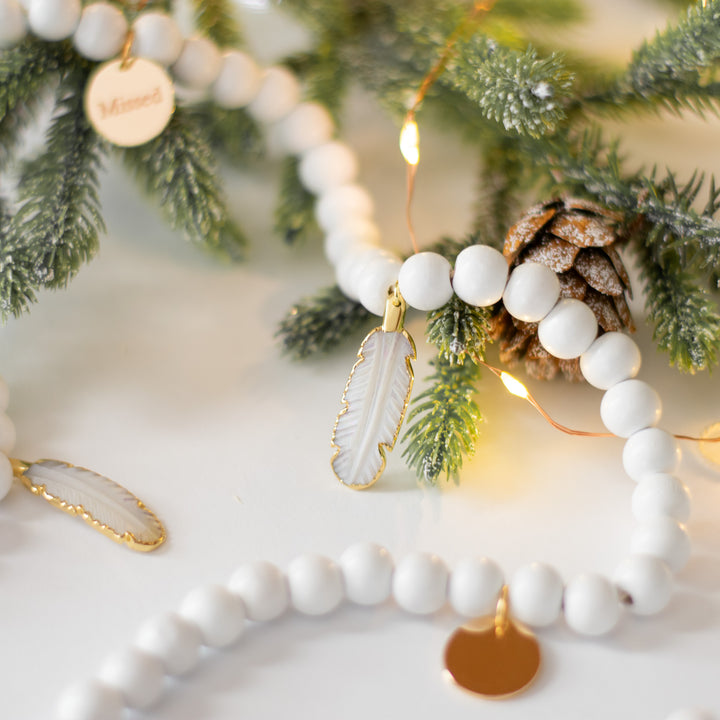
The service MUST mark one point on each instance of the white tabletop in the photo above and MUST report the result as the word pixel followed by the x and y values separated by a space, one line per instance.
pixel 159 368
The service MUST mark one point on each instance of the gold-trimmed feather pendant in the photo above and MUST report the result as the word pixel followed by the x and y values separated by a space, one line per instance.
pixel 101 502
pixel 375 399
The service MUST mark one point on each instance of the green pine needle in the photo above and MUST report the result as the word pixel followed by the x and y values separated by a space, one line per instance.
pixel 459 331
pixel 321 323
pixel 178 169
pixel 217 20
pixel 295 212
pixel 26 74
pixel 58 222
pixel 443 424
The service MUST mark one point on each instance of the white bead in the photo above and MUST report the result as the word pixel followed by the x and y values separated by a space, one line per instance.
pixel 475 584
pixel 316 584
pixel 663 538
pixel 238 82
pixel 650 451
pixel 424 281
pixel 629 406
pixel 7 434
pixel 4 394
pixel 354 233
pixel 173 640
pixel 13 25
pixel 420 583
pixel 612 358
pixel 481 273
pixel 199 63
pixel 531 292
pixel 218 613
pixel 591 604
pixel 90 700
pixel 367 569
pixel 568 330
pixel 535 594
pixel 6 476
pixel 157 38
pixel 101 32
pixel 690 714
pixel 263 590
pixel 279 93
pixel 380 274
pixel 661 495
pixel 327 166
pixel 54 19
pixel 647 580
pixel 305 127
pixel 139 676
pixel 340 204
pixel 351 270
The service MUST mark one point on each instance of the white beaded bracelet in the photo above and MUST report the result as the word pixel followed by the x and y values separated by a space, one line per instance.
pixel 421 583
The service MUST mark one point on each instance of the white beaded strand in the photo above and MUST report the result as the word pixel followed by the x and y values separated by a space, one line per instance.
pixel 420 584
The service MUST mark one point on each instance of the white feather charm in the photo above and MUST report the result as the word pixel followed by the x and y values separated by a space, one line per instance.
pixel 102 503
pixel 375 400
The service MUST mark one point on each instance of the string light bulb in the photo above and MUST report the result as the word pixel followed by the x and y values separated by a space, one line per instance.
pixel 514 386
pixel 410 142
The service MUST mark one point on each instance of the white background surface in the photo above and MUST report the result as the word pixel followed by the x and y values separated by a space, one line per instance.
pixel 158 367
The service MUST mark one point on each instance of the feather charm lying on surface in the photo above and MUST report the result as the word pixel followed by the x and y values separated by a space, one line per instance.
pixel 375 400
pixel 102 503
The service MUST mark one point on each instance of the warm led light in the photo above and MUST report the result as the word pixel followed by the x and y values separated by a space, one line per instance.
pixel 410 142
pixel 514 386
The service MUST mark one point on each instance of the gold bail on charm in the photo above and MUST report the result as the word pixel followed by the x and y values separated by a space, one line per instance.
pixel 375 399
pixel 494 656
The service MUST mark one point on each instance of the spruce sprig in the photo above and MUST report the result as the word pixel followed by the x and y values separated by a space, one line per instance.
pixel 26 74
pixel 443 423
pixel 178 169
pixel 686 321
pixel 320 323
pixel 217 20
pixel 295 212
pixel 58 221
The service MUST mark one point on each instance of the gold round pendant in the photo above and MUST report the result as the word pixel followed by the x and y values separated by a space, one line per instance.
pixel 129 102
pixel 711 450
pixel 492 660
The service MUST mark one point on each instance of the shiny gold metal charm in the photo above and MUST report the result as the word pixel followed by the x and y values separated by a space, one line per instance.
pixel 375 399
pixel 129 101
pixel 494 656
pixel 100 502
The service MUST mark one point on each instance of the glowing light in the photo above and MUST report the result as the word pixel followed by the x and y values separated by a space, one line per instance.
pixel 410 142
pixel 514 386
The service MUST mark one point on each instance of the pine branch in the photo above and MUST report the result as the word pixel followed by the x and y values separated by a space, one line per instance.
pixel 443 424
pixel 459 330
pixel 178 169
pixel 522 92
pixel 594 169
pixel 26 74
pixel 320 323
pixel 58 221
pixel 674 70
pixel 217 20
pixel 295 212
pixel 687 324
pixel 233 135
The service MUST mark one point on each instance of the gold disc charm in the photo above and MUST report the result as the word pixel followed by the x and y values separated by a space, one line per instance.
pixel 493 656
pixel 129 101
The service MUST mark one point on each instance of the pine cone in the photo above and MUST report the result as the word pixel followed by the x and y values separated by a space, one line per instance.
pixel 577 239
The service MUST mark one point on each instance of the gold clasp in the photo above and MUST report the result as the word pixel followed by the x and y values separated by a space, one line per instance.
pixel 501 613
pixel 126 60
pixel 395 307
